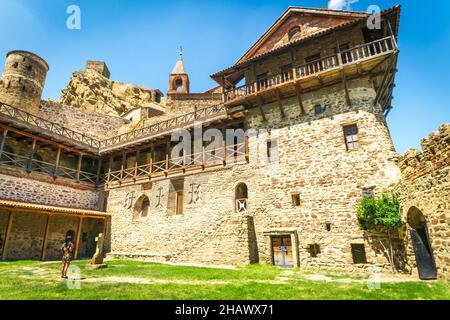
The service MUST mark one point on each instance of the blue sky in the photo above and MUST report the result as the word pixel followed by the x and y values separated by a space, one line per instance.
pixel 139 40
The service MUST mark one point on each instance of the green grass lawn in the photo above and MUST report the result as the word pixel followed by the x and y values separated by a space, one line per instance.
pixel 140 280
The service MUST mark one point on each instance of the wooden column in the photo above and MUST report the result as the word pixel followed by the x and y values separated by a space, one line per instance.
pixel 47 230
pixel 3 141
pixel 111 159
pixel 31 155
pixel 167 155
pixel 7 235
pixel 99 169
pixel 136 163
pixel 77 243
pixel 105 224
pixel 123 165
pixel 298 91
pixel 80 159
pixel 58 158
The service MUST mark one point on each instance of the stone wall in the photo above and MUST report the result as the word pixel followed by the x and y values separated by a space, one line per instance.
pixel 31 190
pixel 93 124
pixel 425 186
pixel 313 161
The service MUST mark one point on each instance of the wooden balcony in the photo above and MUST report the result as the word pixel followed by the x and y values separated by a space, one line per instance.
pixel 50 169
pixel 226 155
pixel 352 62
pixel 27 121
pixel 164 127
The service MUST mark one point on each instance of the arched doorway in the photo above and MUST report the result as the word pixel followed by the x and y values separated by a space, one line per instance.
pixel 421 244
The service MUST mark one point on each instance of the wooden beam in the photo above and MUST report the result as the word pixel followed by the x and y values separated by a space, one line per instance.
pixel 99 169
pixel 260 103
pixel 58 158
pixel 3 141
pixel 298 91
pixel 31 155
pixel 80 158
pixel 319 79
pixel 280 102
pixel 7 235
pixel 77 243
pixel 347 94
pixel 47 230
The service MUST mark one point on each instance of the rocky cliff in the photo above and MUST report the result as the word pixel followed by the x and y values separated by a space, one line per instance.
pixel 92 91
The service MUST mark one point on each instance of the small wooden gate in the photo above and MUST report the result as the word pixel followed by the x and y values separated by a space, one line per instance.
pixel 282 252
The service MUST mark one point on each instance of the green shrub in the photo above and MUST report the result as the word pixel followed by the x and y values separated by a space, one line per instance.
pixel 379 212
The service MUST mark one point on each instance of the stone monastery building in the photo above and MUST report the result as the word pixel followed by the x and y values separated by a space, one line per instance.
pixel 312 95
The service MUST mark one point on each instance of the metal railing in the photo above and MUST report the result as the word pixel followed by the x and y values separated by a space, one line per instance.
pixel 352 55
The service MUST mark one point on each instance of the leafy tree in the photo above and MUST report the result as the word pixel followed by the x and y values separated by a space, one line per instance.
pixel 382 214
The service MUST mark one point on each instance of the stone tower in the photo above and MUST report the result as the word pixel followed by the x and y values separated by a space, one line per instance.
pixel 23 80
pixel 178 79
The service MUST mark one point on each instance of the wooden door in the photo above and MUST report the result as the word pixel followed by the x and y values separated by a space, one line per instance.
pixel 424 255
pixel 282 252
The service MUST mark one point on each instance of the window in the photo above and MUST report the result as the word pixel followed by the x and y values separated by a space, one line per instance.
pixel 272 148
pixel 241 197
pixel 314 250
pixel 29 68
pixel 358 253
pixel 295 199
pixel 312 58
pixel 351 137
pixel 318 109
pixel 294 33
pixel 15 65
pixel 314 64
pixel 141 207
pixel 328 226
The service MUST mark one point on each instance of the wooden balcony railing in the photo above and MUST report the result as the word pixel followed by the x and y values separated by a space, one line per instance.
pixel 52 127
pixel 224 155
pixel 50 169
pixel 165 126
pixel 353 55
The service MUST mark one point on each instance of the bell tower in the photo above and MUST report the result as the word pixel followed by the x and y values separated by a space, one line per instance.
pixel 178 79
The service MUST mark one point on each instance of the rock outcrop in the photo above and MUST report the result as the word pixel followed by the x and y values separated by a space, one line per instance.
pixel 93 92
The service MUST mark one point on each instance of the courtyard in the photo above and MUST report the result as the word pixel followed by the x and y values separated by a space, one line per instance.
pixel 137 280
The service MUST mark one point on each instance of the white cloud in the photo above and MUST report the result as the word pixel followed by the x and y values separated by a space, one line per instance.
pixel 341 4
